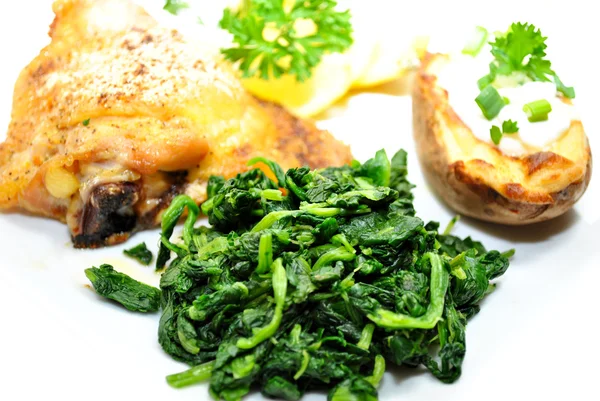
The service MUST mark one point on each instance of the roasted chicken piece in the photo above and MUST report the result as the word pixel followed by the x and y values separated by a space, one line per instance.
pixel 118 115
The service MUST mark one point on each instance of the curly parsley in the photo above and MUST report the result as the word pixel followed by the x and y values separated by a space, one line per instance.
pixel 270 43
pixel 523 50
pixel 508 127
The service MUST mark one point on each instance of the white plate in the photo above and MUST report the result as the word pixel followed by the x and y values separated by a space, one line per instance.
pixel 535 338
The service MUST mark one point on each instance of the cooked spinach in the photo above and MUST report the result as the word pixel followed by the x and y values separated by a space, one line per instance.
pixel 119 287
pixel 141 253
pixel 316 281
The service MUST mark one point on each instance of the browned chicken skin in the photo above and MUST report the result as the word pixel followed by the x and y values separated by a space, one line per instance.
pixel 118 115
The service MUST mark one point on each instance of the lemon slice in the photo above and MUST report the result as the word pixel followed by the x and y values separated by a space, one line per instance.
pixel 384 48
pixel 330 80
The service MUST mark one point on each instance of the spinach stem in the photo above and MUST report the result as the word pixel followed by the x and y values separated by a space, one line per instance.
pixel 333 255
pixel 378 371
pixel 438 286
pixel 365 337
pixel 279 289
pixel 191 376
pixel 265 253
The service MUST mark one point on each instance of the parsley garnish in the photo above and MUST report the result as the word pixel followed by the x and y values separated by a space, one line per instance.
pixel 568 91
pixel 496 134
pixel 523 50
pixel 508 127
pixel 269 45
pixel 174 6
pixel 86 122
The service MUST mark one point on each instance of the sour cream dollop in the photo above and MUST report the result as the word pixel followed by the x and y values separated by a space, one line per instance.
pixel 459 78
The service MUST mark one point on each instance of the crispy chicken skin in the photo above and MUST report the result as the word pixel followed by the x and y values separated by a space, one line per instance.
pixel 118 115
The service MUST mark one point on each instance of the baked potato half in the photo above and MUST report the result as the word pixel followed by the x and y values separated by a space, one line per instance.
pixel 476 178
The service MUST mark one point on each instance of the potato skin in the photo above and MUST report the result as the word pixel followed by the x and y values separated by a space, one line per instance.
pixel 459 182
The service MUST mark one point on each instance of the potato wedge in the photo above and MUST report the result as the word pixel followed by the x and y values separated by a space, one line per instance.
pixel 476 179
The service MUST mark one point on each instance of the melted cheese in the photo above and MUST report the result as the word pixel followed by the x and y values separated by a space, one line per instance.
pixel 94 174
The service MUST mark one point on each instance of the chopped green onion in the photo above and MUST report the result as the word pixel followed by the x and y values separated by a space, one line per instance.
pixel 506 100
pixel 485 81
pixel 496 134
pixel 537 110
pixel 509 127
pixel 490 102
pixel 476 42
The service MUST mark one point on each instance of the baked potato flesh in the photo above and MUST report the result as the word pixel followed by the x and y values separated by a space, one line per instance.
pixel 476 179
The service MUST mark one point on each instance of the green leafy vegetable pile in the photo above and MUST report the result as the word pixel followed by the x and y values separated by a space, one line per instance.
pixel 316 281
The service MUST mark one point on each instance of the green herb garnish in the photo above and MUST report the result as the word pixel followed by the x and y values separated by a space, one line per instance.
pixel 522 50
pixel 268 41
pixel 86 122
pixel 495 134
pixel 568 91
pixel 476 42
pixel 508 127
pixel 537 110
pixel 141 253
pixel 490 102
pixel 119 287
pixel 175 6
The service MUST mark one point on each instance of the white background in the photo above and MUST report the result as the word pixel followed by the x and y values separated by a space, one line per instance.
pixel 536 337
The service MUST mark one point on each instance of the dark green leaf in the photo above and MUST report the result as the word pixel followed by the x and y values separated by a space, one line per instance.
pixel 141 253
pixel 119 287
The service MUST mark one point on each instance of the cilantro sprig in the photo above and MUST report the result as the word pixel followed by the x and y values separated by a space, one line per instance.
pixel 523 50
pixel 285 50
